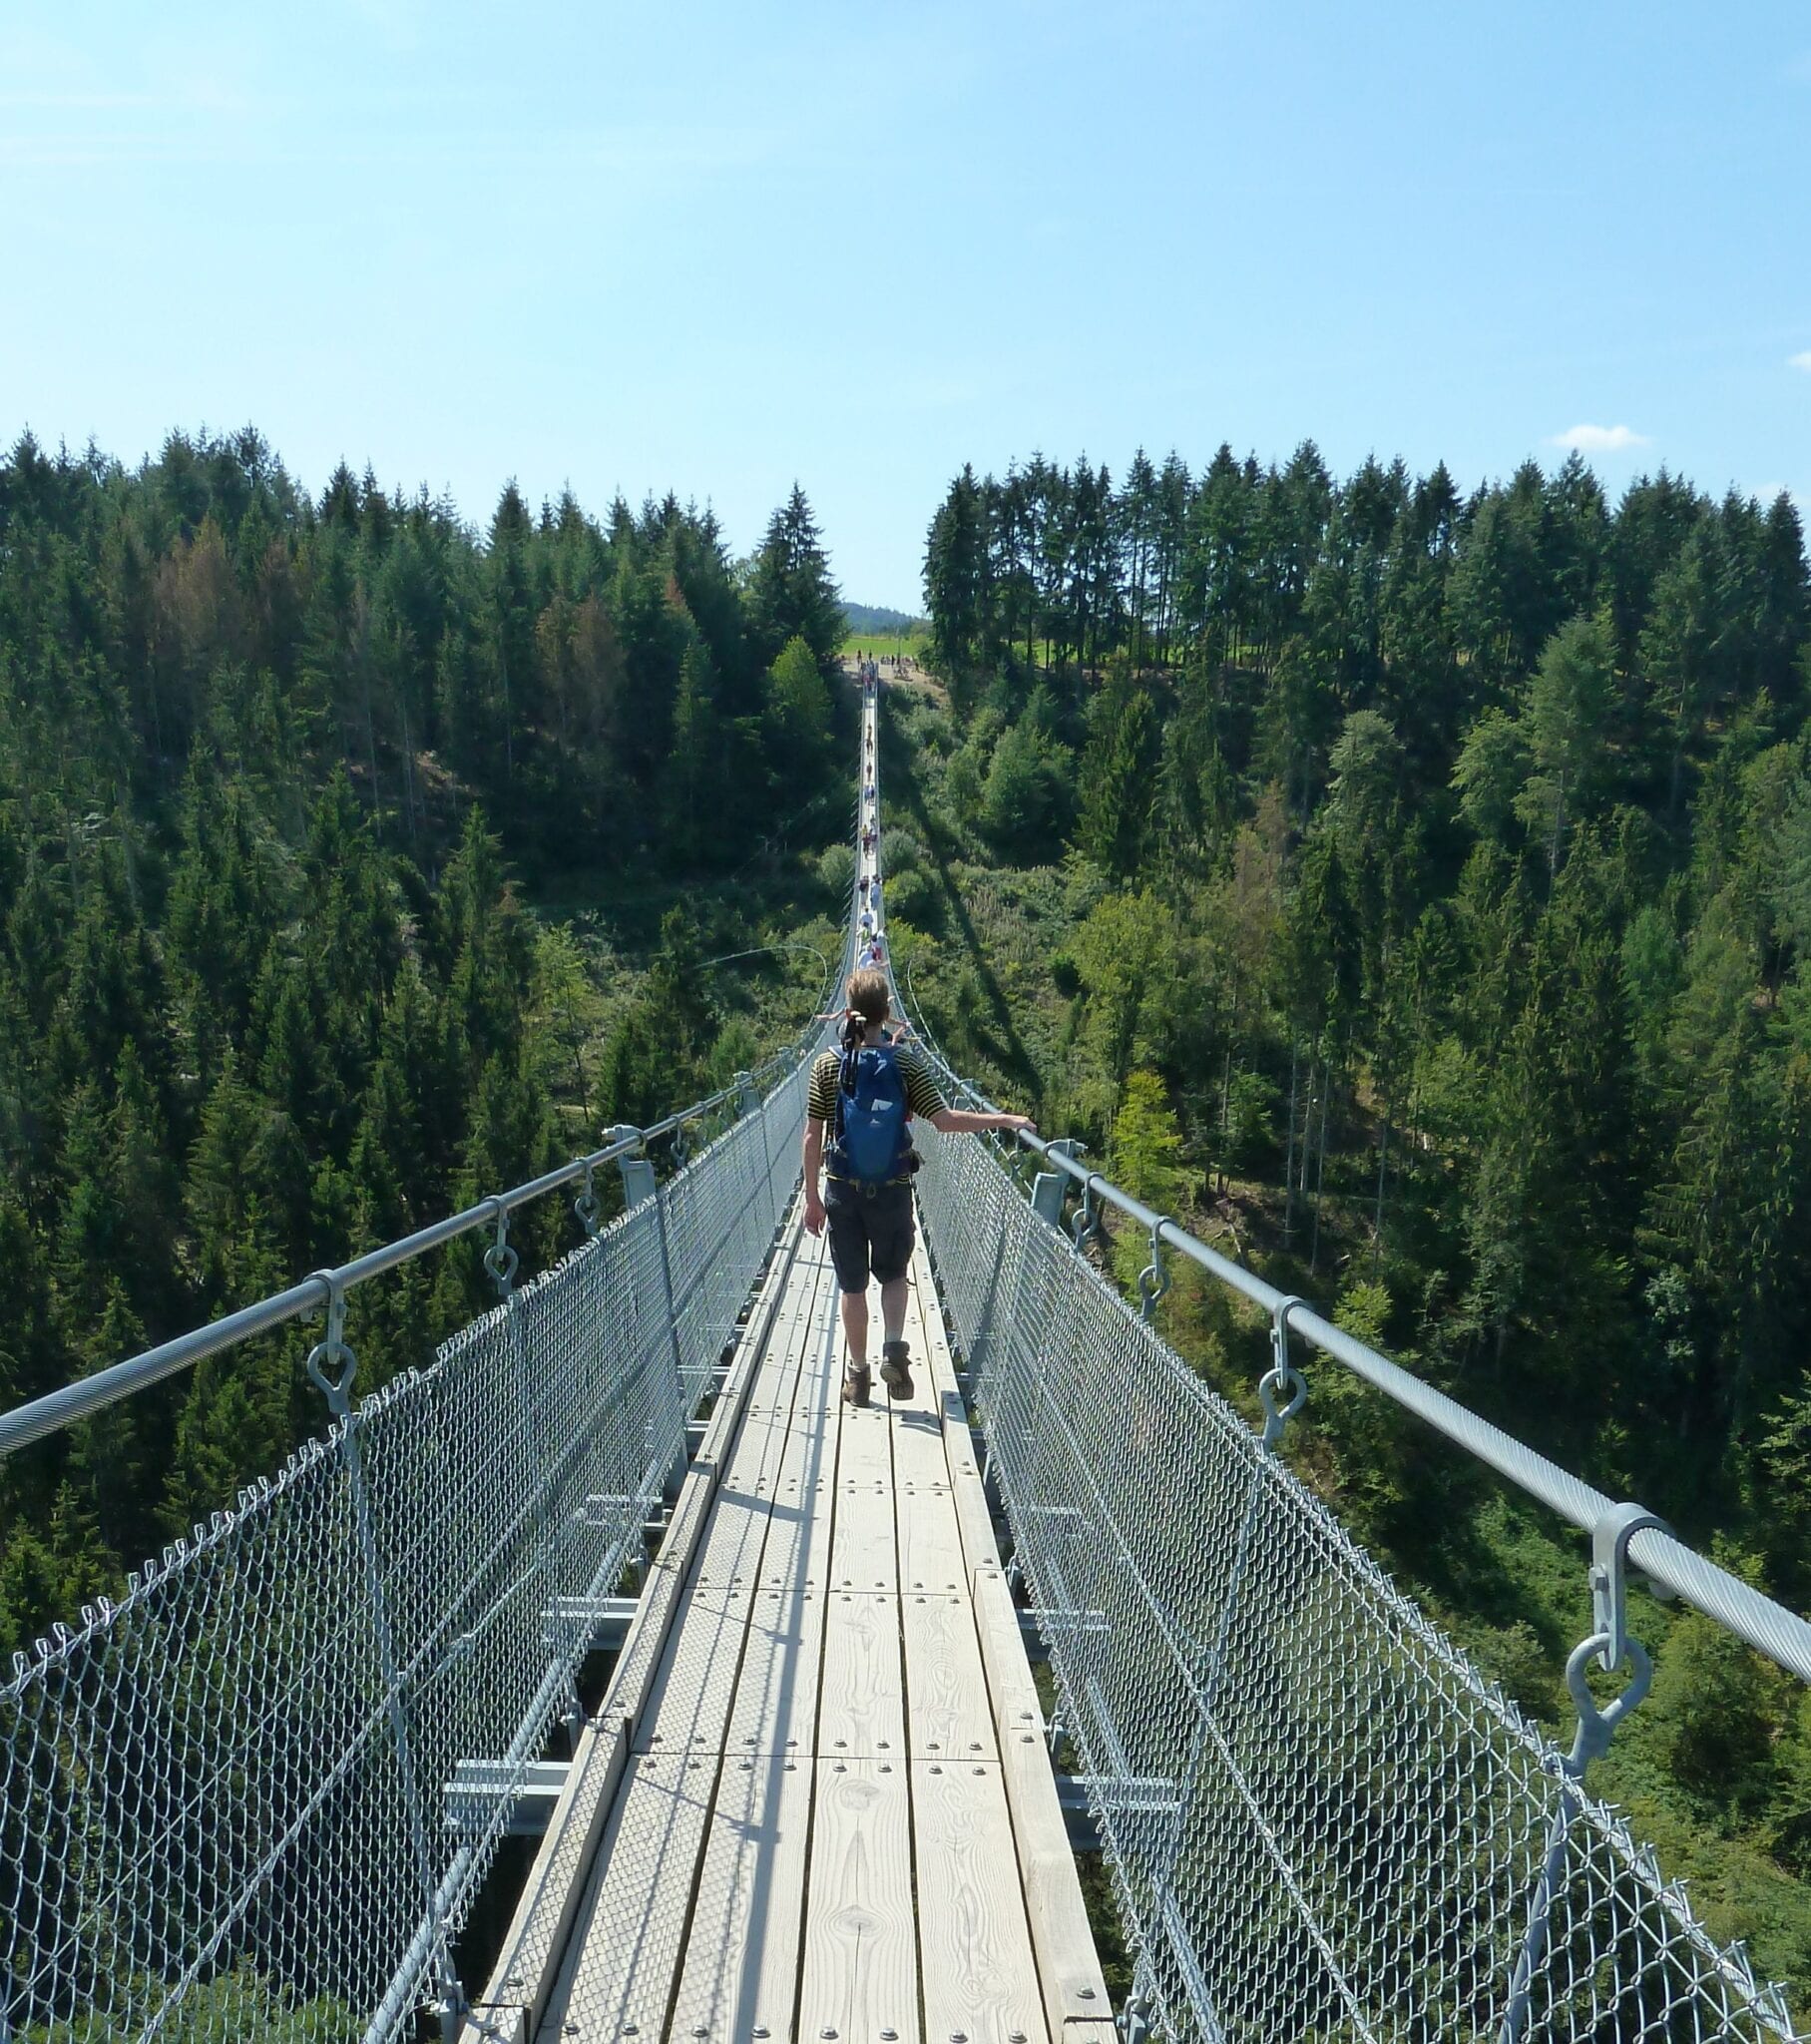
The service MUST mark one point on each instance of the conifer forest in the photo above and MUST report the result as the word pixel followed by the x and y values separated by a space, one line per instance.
pixel 1408 889
pixel 277 777
pixel 1411 888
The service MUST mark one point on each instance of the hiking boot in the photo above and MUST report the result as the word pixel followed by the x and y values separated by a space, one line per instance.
pixel 896 1367
pixel 856 1385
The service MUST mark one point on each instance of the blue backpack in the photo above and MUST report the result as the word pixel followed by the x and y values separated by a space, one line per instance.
pixel 871 1141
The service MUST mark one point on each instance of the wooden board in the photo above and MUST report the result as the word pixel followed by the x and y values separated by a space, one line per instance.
pixel 799 1525
pixel 631 1928
pixel 863 1546
pixel 690 1704
pixel 861 1715
pixel 948 1717
pixel 740 1976
pixel 775 1706
pixel 527 1964
pixel 860 1979
pixel 979 1977
pixel 931 1555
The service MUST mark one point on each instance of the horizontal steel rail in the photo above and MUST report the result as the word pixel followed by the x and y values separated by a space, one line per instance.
pixel 63 1407
pixel 1668 1563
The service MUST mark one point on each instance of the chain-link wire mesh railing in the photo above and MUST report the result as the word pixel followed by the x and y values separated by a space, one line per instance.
pixel 1321 1821
pixel 256 1797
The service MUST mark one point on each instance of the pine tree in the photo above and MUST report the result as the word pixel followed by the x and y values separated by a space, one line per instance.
pixel 790 593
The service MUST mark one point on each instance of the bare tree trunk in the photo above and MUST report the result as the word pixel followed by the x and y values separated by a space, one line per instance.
pixel 1289 1146
pixel 1226 1112
pixel 1320 1168
pixel 1383 1155
pixel 409 768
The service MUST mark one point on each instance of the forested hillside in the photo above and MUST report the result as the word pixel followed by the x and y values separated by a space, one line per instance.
pixel 275 776
pixel 1414 892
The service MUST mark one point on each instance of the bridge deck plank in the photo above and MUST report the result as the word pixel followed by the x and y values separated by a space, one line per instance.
pixel 983 1982
pixel 740 1977
pixel 861 1947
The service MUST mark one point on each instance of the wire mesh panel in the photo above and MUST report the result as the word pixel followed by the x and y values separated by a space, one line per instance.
pixel 1321 1821
pixel 256 1797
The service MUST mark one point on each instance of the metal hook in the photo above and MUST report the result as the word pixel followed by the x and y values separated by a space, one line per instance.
pixel 584 1207
pixel 1281 1376
pixel 500 1259
pixel 332 1349
pixel 1154 1279
pixel 1087 1224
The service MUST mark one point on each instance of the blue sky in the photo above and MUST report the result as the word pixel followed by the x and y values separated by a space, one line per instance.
pixel 719 246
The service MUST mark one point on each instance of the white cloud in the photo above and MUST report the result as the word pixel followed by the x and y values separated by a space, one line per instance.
pixel 1801 360
pixel 1599 439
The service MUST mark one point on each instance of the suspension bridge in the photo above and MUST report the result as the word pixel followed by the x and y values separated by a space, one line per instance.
pixel 777 1719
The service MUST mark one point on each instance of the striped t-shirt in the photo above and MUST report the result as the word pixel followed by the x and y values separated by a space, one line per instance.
pixel 922 1097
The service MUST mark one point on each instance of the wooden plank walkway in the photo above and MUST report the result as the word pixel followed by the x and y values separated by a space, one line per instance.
pixel 805 1829
pixel 815 1804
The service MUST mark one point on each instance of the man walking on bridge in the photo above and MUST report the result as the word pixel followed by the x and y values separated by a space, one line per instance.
pixel 865 1096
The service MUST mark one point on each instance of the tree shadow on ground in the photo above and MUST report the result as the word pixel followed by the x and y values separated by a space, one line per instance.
pixel 1001 1042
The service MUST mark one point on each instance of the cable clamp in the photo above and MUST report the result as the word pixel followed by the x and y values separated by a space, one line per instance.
pixel 1610 1538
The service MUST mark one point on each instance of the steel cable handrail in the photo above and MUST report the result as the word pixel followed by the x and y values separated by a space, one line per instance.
pixel 63 1407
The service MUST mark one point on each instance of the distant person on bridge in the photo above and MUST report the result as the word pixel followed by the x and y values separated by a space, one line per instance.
pixel 864 1097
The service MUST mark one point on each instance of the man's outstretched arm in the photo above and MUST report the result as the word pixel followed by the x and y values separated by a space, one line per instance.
pixel 959 1121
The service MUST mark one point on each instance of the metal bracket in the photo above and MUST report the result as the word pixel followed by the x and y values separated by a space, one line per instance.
pixel 1087 1224
pixel 638 1173
pixel 1154 1279
pixel 751 1095
pixel 1048 1186
pixel 1281 1376
pixel 332 1349
pixel 1610 1538
pixel 1133 2022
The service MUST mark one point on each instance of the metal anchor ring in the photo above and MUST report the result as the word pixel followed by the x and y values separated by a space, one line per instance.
pixel 1597 1722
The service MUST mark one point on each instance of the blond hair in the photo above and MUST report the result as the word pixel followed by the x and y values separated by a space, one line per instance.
pixel 868 1003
